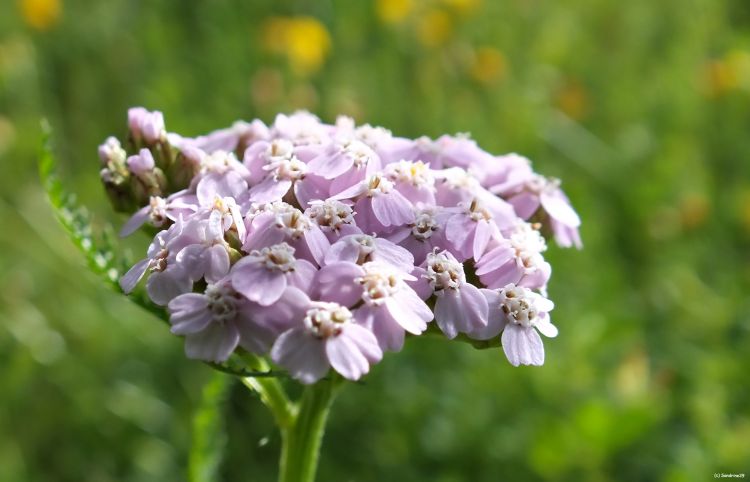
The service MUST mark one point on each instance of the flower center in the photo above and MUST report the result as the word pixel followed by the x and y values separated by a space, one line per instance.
pixel 286 168
pixel 222 302
pixel 157 213
pixel 325 320
pixel 366 245
pixel 460 179
pixel 414 173
pixel 372 136
pixel 330 215
pixel 159 262
pixel 377 184
pixel 518 304
pixel 279 149
pixel 358 152
pixel 292 221
pixel 539 184
pixel 424 224
pixel 378 286
pixel 477 212
pixel 218 162
pixel 444 272
pixel 528 244
pixel 279 257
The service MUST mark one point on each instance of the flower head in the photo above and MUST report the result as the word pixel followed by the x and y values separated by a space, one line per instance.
pixel 328 243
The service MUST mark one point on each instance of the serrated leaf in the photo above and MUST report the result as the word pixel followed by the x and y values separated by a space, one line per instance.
pixel 98 249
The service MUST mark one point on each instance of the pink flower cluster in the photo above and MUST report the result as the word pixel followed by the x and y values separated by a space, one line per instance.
pixel 324 245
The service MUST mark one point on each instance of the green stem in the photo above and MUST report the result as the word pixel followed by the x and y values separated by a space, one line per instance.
pixel 301 441
pixel 271 392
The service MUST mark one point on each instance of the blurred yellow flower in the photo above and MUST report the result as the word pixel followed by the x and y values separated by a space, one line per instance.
pixel 727 74
pixel 434 28
pixel 573 100
pixel 40 14
pixel 393 11
pixel 719 77
pixel 303 40
pixel 488 65
pixel 463 6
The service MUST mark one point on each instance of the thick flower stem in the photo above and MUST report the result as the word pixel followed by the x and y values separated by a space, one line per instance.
pixel 302 440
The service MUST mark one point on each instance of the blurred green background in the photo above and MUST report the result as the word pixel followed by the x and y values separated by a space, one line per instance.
pixel 642 108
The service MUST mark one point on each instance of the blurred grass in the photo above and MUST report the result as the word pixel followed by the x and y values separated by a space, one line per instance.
pixel 641 107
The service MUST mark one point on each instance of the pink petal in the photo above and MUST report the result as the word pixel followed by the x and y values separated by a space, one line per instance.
pixel 301 354
pixel 345 249
pixel 448 313
pixel 257 283
pixel 525 204
pixel 365 341
pixel 335 283
pixel 217 260
pixel 494 259
pixel 303 274
pixel 194 259
pixel 215 343
pixel 350 179
pixel 389 334
pixel 496 320
pixel 560 210
pixel 254 337
pixel 482 236
pixel 317 243
pixel 135 221
pixel 409 311
pixel 522 345
pixel 475 308
pixel 286 313
pixel 270 190
pixel 511 272
pixel 392 254
pixel 345 357
pixel 130 279
pixel 229 184
pixel 420 285
pixel 163 286
pixel 189 321
pixel 458 231
pixel 392 209
pixel 351 192
pixel 330 165
pixel 545 327
pixel 310 188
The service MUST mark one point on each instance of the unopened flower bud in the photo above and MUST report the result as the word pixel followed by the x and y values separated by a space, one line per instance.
pixel 146 128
